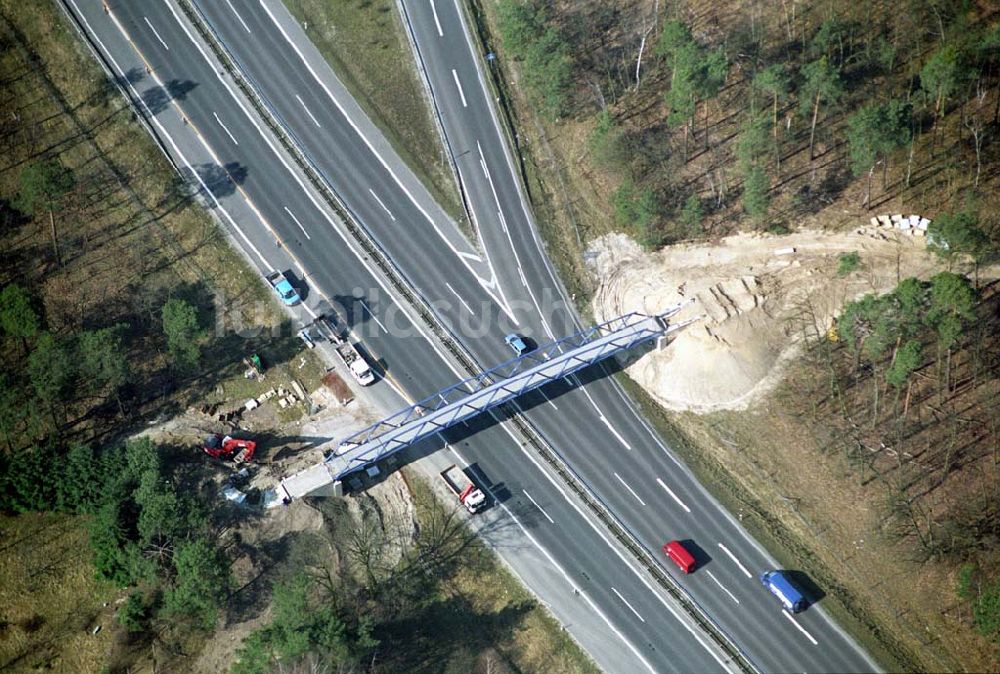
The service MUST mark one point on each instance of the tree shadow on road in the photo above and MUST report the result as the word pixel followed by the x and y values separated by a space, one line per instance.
pixel 221 181
pixel 157 98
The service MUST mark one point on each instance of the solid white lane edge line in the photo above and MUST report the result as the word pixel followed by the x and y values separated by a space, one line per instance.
pixel 631 491
pixel 724 588
pixel 372 314
pixel 801 628
pixel 225 128
pixel 460 299
pixel 558 567
pixel 618 553
pixel 733 557
pixel 508 159
pixel 242 22
pixel 672 495
pixel 458 84
pixel 180 155
pixel 437 22
pixel 487 285
pixel 308 111
pixel 309 195
pixel 162 130
pixel 517 260
pixel 625 601
pixel 542 510
pixel 298 223
pixel 547 399
pixel 156 34
pixel 510 166
pixel 375 196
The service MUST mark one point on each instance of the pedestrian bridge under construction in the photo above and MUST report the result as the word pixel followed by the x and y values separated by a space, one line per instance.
pixel 476 395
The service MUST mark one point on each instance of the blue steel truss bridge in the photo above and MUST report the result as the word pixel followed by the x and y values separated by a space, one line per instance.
pixel 479 394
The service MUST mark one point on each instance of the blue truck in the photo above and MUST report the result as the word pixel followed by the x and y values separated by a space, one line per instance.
pixel 283 288
pixel 780 585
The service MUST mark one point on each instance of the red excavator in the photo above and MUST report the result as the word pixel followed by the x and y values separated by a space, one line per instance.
pixel 227 447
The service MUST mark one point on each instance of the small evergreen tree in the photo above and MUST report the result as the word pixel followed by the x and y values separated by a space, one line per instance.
pixel 180 325
pixel 17 318
pixel 43 185
pixel 691 215
pixel 755 198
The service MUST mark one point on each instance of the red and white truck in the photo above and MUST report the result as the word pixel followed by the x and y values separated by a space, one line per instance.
pixel 465 489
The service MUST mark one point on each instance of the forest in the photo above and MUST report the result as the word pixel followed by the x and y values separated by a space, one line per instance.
pixel 124 307
pixel 680 121
pixel 671 121
pixel 702 118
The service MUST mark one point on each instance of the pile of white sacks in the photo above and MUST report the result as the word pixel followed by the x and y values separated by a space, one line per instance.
pixel 913 224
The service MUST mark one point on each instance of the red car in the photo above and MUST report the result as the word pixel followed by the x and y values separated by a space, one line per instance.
pixel 679 555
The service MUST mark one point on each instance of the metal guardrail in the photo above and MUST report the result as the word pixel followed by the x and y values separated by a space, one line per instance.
pixel 360 234
pixel 528 430
pixel 407 290
pixel 493 388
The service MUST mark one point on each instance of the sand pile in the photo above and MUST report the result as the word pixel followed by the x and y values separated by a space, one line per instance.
pixel 758 295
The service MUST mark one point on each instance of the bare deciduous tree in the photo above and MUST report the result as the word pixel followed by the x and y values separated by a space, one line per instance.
pixel 648 23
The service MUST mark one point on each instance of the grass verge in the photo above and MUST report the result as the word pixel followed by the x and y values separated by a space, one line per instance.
pixel 694 438
pixel 385 83
pixel 49 596
pixel 526 638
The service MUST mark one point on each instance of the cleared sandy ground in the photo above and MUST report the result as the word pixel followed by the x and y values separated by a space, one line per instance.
pixel 757 294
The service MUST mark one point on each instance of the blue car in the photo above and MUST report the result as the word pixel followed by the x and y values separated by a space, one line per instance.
pixel 284 288
pixel 779 583
pixel 517 343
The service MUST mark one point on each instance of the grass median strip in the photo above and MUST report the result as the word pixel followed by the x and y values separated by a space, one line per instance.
pixel 365 44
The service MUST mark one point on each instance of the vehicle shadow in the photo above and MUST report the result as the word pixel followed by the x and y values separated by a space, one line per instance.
pixel 485 423
pixel 812 592
pixel 701 558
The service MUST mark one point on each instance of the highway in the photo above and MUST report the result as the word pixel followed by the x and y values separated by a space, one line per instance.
pixel 504 286
pixel 279 222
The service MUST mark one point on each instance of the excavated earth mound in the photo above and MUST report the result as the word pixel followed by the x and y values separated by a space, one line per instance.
pixel 757 296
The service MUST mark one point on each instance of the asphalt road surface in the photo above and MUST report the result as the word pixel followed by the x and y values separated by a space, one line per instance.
pixel 505 285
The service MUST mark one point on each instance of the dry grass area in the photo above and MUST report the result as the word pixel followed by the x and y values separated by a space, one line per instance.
pixel 130 235
pixel 129 225
pixel 512 632
pixel 50 601
pixel 365 43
